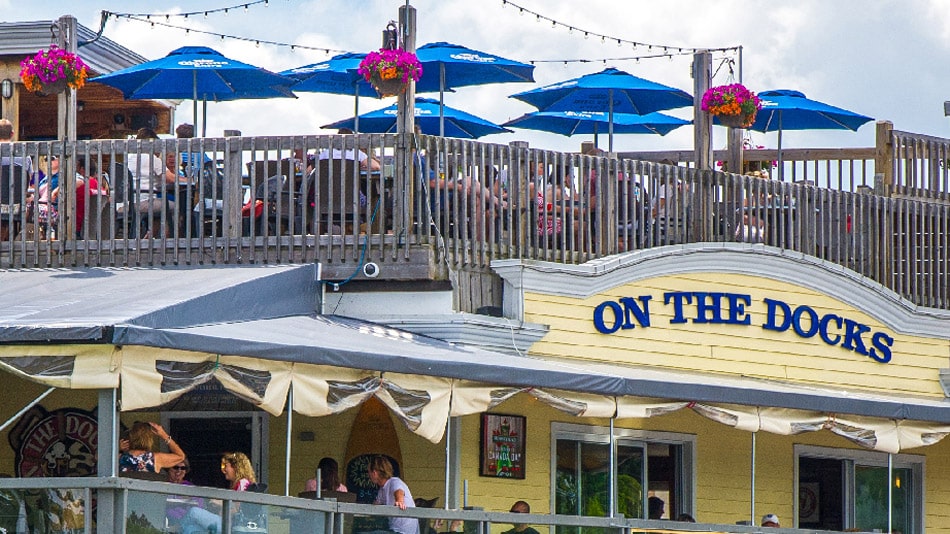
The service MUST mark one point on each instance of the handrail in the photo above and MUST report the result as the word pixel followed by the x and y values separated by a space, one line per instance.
pixel 459 205
pixel 122 490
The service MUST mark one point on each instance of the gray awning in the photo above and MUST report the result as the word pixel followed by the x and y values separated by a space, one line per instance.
pixel 84 304
pixel 357 344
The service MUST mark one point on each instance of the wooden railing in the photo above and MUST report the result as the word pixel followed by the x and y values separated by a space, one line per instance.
pixel 437 205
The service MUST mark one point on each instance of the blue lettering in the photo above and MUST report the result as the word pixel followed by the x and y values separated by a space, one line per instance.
pixel 642 313
pixel 823 329
pixel 852 337
pixel 882 347
pixel 678 297
pixel 770 321
pixel 708 303
pixel 599 317
pixel 813 321
pixel 737 304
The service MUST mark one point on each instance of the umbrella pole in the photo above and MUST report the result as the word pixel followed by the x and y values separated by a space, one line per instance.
pixel 356 107
pixel 204 116
pixel 194 99
pixel 781 167
pixel 610 119
pixel 441 99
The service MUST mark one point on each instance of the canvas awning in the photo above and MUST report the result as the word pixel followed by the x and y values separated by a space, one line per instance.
pixel 169 331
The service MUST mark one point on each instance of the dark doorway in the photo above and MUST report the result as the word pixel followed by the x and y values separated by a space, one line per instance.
pixel 205 439
pixel 820 493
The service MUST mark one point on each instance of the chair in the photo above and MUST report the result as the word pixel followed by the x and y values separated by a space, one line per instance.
pixel 275 195
pixel 11 199
pixel 251 517
pixel 330 195
pixel 208 211
pixel 135 214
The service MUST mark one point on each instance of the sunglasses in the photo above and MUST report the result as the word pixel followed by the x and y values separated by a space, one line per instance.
pixel 178 468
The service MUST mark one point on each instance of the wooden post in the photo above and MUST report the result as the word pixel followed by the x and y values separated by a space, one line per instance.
pixel 66 36
pixel 405 125
pixel 883 159
pixel 702 122
pixel 406 118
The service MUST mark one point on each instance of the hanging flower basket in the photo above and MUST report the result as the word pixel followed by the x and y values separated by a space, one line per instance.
pixel 733 104
pixel 390 71
pixel 52 71
pixel 390 87
pixel 53 88
pixel 740 120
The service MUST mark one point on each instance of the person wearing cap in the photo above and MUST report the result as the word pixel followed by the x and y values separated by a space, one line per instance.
pixel 520 507
pixel 770 520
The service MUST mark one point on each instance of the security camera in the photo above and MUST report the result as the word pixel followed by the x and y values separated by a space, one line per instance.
pixel 371 270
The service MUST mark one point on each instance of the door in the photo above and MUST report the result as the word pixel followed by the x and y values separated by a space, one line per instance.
pixel 205 436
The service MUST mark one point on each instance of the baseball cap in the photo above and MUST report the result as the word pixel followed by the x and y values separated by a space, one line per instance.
pixel 770 518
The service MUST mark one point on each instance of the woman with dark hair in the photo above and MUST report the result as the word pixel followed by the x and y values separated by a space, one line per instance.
pixel 393 491
pixel 328 471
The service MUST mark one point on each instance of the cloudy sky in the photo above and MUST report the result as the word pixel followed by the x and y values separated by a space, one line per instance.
pixel 881 58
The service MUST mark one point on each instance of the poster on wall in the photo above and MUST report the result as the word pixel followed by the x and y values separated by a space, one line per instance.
pixel 502 447
pixel 808 502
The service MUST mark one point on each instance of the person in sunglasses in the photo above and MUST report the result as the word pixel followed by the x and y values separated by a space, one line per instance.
pixel 177 506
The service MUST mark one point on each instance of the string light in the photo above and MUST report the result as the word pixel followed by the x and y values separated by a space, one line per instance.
pixel 257 42
pixel 224 10
pixel 603 38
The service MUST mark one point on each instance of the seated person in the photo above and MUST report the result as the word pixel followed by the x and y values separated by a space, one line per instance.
pixel 155 185
pixel 366 162
pixel 329 474
pixel 520 507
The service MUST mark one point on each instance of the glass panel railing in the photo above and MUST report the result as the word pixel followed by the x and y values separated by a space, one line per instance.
pixel 49 510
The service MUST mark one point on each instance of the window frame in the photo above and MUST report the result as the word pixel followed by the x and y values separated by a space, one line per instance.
pixel 686 491
pixel 915 462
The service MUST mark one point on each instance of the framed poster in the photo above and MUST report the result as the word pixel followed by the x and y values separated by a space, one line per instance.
pixel 502 447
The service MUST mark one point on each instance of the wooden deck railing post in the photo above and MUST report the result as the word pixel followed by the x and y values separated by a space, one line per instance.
pixel 702 121
pixel 884 159
pixel 233 193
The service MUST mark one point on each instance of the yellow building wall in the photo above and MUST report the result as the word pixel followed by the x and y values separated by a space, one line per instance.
pixel 423 462
pixel 723 466
pixel 746 350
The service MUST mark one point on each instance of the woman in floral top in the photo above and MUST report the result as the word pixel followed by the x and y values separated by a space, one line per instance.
pixel 141 456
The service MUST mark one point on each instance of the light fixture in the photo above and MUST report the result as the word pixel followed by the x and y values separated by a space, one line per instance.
pixel 6 88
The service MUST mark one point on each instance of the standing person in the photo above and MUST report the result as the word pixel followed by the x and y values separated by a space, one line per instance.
pixel 770 520
pixel 329 477
pixel 521 507
pixel 141 455
pixel 393 491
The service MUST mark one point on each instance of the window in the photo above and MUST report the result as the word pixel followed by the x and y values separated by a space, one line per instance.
pixel 848 489
pixel 660 462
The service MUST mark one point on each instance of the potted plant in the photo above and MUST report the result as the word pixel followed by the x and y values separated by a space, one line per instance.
pixel 734 104
pixel 390 71
pixel 52 71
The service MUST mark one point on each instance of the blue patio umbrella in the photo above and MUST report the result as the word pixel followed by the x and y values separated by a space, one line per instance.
pixel 338 75
pixel 193 72
pixel 610 91
pixel 784 109
pixel 456 123
pixel 446 66
pixel 593 122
